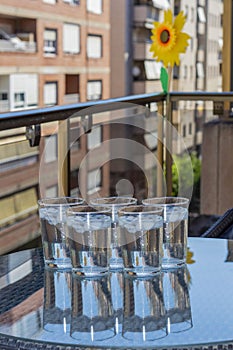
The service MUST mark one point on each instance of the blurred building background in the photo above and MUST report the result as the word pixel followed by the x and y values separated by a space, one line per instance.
pixel 56 52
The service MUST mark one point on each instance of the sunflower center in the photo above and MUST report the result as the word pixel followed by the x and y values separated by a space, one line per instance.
pixel 165 36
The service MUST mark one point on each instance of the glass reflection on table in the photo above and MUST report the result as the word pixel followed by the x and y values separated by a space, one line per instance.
pixel 177 300
pixel 92 316
pixel 57 301
pixel 117 295
pixel 144 317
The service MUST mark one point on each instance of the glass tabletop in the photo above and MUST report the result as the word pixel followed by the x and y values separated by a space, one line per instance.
pixel 186 307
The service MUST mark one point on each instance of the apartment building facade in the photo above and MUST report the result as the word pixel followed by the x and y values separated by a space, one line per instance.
pixel 52 52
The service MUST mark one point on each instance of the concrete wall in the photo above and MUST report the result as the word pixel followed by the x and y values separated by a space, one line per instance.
pixel 217 168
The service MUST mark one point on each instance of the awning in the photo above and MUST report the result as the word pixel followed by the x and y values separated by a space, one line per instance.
pixel 161 4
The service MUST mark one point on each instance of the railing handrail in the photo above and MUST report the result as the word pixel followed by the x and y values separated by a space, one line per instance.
pixel 16 119
pixel 11 120
pixel 202 95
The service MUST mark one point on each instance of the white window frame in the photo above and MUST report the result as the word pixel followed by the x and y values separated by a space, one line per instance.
pixel 94 46
pixel 152 69
pixel 71 38
pixel 94 90
pixel 48 101
pixel 52 2
pixel 50 42
pixel 51 192
pixel 95 6
pixel 201 14
pixel 94 138
pixel 94 180
pixel 19 102
pixel 50 148
pixel 200 70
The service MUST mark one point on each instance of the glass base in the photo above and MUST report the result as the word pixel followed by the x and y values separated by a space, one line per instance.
pixel 63 264
pixel 143 272
pixel 172 263
pixel 89 272
pixel 116 264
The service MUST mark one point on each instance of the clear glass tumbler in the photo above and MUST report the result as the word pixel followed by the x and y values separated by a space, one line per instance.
pixel 88 231
pixel 141 231
pixel 175 228
pixel 114 203
pixel 52 213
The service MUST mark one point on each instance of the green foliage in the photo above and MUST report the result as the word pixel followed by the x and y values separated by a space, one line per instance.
pixel 180 162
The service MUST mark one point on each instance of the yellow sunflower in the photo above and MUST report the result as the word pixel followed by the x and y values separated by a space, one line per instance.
pixel 168 42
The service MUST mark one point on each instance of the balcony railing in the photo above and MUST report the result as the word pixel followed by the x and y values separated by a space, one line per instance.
pixel 110 124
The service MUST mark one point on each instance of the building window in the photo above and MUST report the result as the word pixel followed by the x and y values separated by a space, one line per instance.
pixel 50 148
pixel 191 72
pixel 200 70
pixel 74 183
pixel 25 88
pixel 201 14
pixel 94 6
pixel 176 72
pixel 94 90
pixel 50 1
pixel 50 94
pixel 3 96
pixel 94 138
pixel 51 192
pixel 19 100
pixel 71 38
pixel 50 42
pixel 152 69
pixel 72 2
pixel 94 180
pixel 94 46
pixel 75 134
pixel 185 72
pixel 192 14
pixel 190 128
pixel 184 131
pixel 18 206
pixel 186 11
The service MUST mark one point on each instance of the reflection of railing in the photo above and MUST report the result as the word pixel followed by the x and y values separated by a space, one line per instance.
pixel 166 105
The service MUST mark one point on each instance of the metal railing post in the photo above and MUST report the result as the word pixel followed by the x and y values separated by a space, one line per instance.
pixel 160 152
pixel 168 158
pixel 63 158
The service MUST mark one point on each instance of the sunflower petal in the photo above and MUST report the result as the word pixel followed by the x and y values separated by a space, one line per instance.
pixel 168 16
pixel 182 42
pixel 179 22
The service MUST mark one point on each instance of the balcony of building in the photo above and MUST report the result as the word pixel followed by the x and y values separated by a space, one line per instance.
pixel 145 14
pixel 17 34
pixel 113 147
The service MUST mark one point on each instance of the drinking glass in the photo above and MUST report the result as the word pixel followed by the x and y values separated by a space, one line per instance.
pixel 144 317
pixel 175 228
pixel 88 231
pixel 52 213
pixel 117 293
pixel 92 313
pixel 141 230
pixel 114 203
pixel 177 300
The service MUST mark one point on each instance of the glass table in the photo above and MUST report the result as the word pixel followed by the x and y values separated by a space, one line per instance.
pixel 190 307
